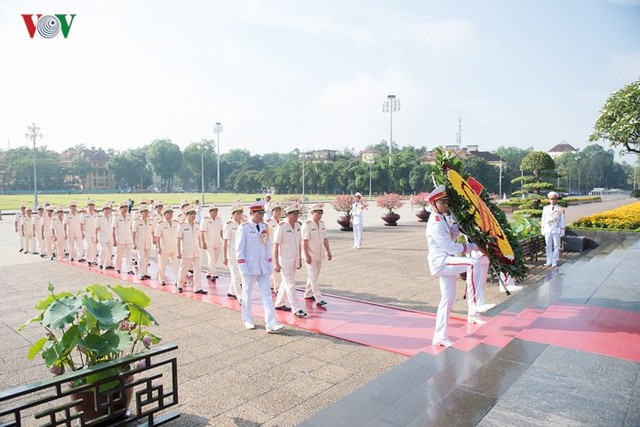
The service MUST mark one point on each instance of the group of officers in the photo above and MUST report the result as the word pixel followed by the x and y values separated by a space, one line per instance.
pixel 256 251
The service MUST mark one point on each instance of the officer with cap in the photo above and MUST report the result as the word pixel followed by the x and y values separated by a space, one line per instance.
pixel 442 232
pixel 37 223
pixel 104 236
pixel 189 251
pixel 47 234
pixel 57 229
pixel 123 237
pixel 18 225
pixel 89 220
pixel 272 224
pixel 182 216
pixel 357 220
pixel 255 263
pixel 142 241
pixel 315 243
pixel 229 250
pixel 74 232
pixel 167 247
pixel 157 216
pixel 287 256
pixel 27 228
pixel 211 229
pixel 553 226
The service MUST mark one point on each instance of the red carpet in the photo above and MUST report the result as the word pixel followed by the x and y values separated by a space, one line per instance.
pixel 594 329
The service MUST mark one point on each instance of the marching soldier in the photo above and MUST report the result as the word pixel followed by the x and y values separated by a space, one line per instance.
pixel 74 233
pixel 18 225
pixel 27 228
pixel 166 244
pixel 287 258
pixel 211 229
pixel 104 235
pixel 47 234
pixel 57 230
pixel 255 263
pixel 122 237
pixel 157 217
pixel 198 207
pixel 37 222
pixel 272 224
pixel 189 251
pixel 229 250
pixel 182 216
pixel 142 241
pixel 89 220
pixel 315 243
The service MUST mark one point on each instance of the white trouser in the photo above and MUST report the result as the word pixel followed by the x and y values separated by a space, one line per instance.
pixel 276 280
pixel 28 243
pixel 20 238
pixel 106 250
pixel 448 276
pixel 357 235
pixel 288 287
pixel 213 256
pixel 235 285
pixel 124 249
pixel 143 261
pixel 265 293
pixel 60 247
pixel 78 243
pixel 167 257
pixel 92 249
pixel 552 241
pixel 313 285
pixel 194 264
pixel 42 248
pixel 49 245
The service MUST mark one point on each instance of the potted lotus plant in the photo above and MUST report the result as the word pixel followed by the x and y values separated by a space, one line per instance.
pixel 95 325
pixel 420 202
pixel 390 201
pixel 342 203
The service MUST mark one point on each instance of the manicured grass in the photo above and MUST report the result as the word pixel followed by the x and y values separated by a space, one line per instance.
pixel 13 202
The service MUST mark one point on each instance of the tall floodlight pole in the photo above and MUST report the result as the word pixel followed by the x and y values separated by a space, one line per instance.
pixel 500 191
pixel 33 134
pixel 304 154
pixel 217 129
pixel 202 170
pixel 390 106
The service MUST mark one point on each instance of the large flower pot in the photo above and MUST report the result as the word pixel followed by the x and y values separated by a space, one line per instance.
pixel 390 218
pixel 98 407
pixel 345 222
pixel 423 215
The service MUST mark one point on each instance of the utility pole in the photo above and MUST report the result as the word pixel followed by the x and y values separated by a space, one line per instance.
pixel 33 134
pixel 390 106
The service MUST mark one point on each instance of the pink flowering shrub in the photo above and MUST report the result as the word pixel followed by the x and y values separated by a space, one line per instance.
pixel 343 202
pixel 420 200
pixel 389 201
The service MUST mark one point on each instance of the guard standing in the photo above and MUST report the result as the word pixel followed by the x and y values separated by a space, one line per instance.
pixel 89 220
pixel 211 229
pixel 272 224
pixel 47 234
pixel 189 251
pixel 27 228
pixel 57 229
pixel 122 237
pixel 166 244
pixel 357 220
pixel 38 220
pixel 229 250
pixel 74 233
pixel 142 241
pixel 18 225
pixel 104 235
pixel 553 225
pixel 315 242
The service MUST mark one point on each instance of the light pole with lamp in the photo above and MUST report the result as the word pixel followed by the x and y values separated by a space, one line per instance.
pixel 304 154
pixel 369 158
pixel 202 170
pixel 33 134
pixel 500 179
pixel 217 129
pixel 390 106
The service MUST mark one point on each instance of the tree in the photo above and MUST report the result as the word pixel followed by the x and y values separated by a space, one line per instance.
pixel 130 168
pixel 481 170
pixel 542 166
pixel 18 164
pixel 166 160
pixel 619 119
pixel 511 160
pixel 79 168
pixel 193 156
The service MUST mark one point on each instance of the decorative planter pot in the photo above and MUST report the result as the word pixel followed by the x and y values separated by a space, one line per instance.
pixel 345 222
pixel 423 215
pixel 94 407
pixel 390 218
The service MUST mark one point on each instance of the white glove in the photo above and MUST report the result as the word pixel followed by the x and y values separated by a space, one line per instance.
pixel 472 247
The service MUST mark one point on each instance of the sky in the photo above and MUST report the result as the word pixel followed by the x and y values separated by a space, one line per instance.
pixel 286 74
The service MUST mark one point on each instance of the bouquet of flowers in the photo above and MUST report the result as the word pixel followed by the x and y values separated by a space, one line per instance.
pixel 389 201
pixel 343 202
pixel 419 200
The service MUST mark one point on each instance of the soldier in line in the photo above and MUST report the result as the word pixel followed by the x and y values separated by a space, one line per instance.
pixel 104 235
pixel 37 222
pixel 57 229
pixel 18 225
pixel 27 228
pixel 142 241
pixel 287 257
pixel 157 217
pixel 229 250
pixel 272 224
pixel 89 220
pixel 189 251
pixel 74 233
pixel 198 207
pixel 255 263
pixel 122 237
pixel 182 216
pixel 47 233
pixel 211 229
pixel 166 244
pixel 315 243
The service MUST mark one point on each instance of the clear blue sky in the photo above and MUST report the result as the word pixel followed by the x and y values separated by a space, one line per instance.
pixel 285 74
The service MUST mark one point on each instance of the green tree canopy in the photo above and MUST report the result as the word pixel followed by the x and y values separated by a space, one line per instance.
pixel 619 119
pixel 166 160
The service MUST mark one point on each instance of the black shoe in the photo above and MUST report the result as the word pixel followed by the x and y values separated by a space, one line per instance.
pixel 301 314
pixel 208 276
pixel 71 259
pixel 43 255
pixel 111 267
pixel 162 283
pixel 35 253
pixel 81 260
pixel 51 258
pixel 311 298
pixel 321 303
pixel 283 308
pixel 179 289
pixel 21 250
pixel 201 291
pixel 214 277
pixel 131 273
pixel 232 296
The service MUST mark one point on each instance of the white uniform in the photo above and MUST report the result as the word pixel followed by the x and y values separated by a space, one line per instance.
pixel 188 237
pixel 357 220
pixel 229 234
pixel 37 222
pixel 212 231
pixel 123 240
pixel 441 235
pixel 57 229
pixel 166 243
pixel 276 277
pixel 315 234
pixel 254 261
pixel 552 225
pixel 73 229
pixel 104 235
pixel 89 221
pixel 27 229
pixel 49 244
pixel 18 228
pixel 142 242
pixel 288 239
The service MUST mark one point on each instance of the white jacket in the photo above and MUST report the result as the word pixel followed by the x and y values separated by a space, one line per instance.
pixel 442 233
pixel 552 221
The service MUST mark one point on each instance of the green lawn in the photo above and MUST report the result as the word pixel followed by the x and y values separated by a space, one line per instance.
pixel 13 202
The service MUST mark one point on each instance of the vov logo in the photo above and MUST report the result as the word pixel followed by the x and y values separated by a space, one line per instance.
pixel 48 26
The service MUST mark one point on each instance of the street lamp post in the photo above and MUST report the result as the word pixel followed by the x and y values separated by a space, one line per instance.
pixel 217 129
pixel 33 134
pixel 390 106
pixel 500 179
pixel 304 154
pixel 370 166
pixel 202 171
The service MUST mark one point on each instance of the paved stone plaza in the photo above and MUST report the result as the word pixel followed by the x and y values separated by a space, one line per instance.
pixel 231 376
